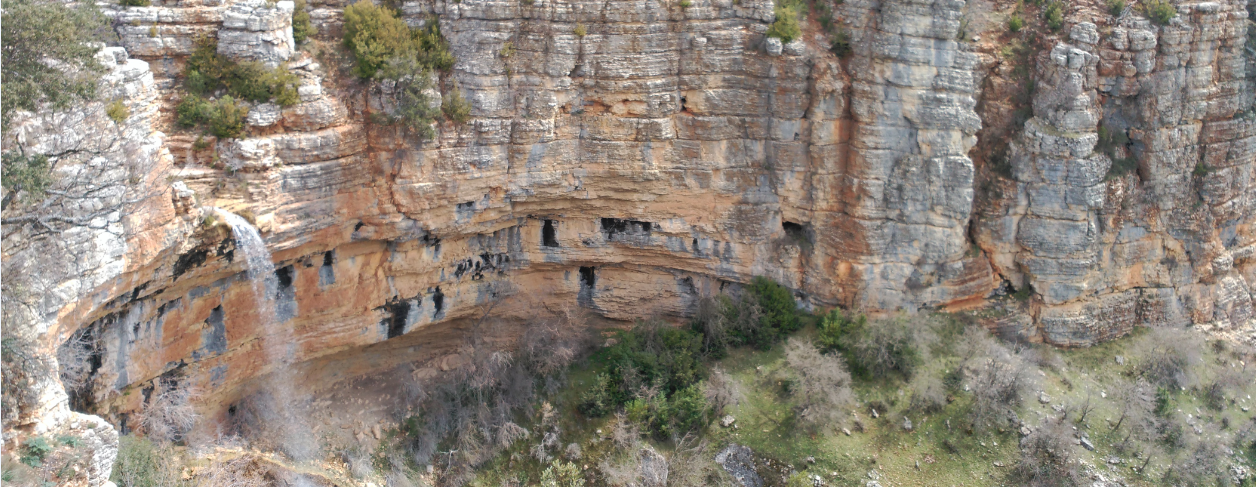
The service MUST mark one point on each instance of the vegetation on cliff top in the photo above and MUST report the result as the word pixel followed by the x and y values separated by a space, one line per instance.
pixel 38 31
pixel 384 47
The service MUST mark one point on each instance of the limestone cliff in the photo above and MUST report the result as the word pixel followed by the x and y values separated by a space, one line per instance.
pixel 662 153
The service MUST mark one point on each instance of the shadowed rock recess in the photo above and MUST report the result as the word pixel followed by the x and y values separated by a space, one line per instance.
pixel 663 154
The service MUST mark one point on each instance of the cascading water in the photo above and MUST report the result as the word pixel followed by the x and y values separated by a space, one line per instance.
pixel 275 337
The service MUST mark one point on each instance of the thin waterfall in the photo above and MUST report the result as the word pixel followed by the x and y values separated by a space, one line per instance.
pixel 275 337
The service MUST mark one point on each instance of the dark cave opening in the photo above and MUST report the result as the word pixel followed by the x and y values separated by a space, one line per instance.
pixel 588 277
pixel 549 234
pixel 438 302
pixel 399 310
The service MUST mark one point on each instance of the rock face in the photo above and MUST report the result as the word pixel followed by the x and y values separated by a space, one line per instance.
pixel 664 154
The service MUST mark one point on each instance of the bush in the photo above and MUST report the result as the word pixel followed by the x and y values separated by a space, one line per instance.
pixel 997 378
pixel 653 371
pixel 669 416
pixel 780 312
pixel 374 35
pixel 302 29
pixel 1047 457
pixel 566 474
pixel 30 176
pixel 226 118
pixel 35 450
pixel 1053 14
pixel 1200 170
pixel 169 413
pixel 377 38
pixel 1159 11
pixel 764 313
pixel 880 347
pixel 142 464
pixel 135 3
pixel 207 72
pixel 118 111
pixel 1115 7
pixel 455 107
pixel 192 111
pixel 786 27
pixel 840 44
pixel 1167 357
pixel 580 30
pixel 819 385
pixel 1015 23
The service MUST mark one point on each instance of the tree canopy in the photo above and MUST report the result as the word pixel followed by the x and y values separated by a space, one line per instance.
pixel 47 54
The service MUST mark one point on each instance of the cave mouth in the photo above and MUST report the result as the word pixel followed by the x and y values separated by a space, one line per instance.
pixel 549 234
pixel 797 232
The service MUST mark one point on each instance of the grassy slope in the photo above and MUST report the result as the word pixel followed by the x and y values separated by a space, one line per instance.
pixel 947 453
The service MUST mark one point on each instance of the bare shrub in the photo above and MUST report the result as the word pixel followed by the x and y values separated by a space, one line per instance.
pixel 997 378
pixel 820 384
pixel 722 391
pixel 74 359
pixel 550 344
pixel 1044 357
pixel 1167 357
pixel 1047 456
pixel 692 465
pixel 509 433
pixel 1200 463
pixel 242 471
pixel 884 346
pixel 1136 401
pixel 169 414
pixel 928 393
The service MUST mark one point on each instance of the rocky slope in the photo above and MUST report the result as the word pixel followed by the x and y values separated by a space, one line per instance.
pixel 666 153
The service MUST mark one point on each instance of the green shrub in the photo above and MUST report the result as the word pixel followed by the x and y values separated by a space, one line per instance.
pixel 1015 23
pixel 1053 14
pixel 207 72
pixel 32 176
pixel 192 111
pixel 35 450
pixel 142 464
pixel 653 372
pixel 840 44
pixel 70 441
pixel 374 35
pixel 685 3
pixel 135 3
pixel 763 314
pixel 786 27
pixel 377 38
pixel 1159 11
pixel 455 107
pixel 580 30
pixel 302 29
pixel 414 108
pixel 669 416
pixel 780 312
pixel 892 345
pixel 1200 170
pixel 1115 7
pixel 433 49
pixel 226 118
pixel 567 474
pixel 118 111
pixel 836 326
